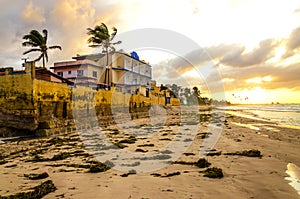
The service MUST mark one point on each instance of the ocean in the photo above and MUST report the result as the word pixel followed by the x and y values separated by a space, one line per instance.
pixel 288 114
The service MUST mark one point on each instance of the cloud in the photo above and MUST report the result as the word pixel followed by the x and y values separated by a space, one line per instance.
pixel 234 63
pixel 292 43
pixel 67 26
pixel 259 55
pixel 33 14
pixel 234 55
pixel 201 57
pixel 65 20
pixel 281 76
pixel 77 15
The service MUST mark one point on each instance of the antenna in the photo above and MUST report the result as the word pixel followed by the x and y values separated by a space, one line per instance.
pixel 25 60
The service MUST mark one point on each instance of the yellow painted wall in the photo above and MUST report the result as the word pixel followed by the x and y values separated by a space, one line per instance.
pixel 16 92
pixel 42 101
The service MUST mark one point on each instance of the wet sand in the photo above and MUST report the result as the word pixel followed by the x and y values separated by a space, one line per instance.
pixel 68 160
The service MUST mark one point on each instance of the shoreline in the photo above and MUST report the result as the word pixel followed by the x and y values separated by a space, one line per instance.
pixel 244 177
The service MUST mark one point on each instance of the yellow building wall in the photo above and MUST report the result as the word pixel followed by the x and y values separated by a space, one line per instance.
pixel 16 92
pixel 26 102
pixel 17 109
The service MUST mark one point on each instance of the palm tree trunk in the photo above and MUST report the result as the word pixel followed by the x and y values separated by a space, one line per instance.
pixel 106 78
pixel 43 61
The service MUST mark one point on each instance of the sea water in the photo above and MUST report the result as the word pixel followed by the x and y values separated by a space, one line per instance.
pixel 284 114
pixel 294 173
pixel 288 114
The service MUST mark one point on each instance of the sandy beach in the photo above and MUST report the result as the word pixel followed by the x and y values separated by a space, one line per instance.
pixel 71 160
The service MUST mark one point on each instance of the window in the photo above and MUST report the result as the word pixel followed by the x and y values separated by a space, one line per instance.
pixel 95 74
pixel 69 72
pixel 79 72
pixel 60 74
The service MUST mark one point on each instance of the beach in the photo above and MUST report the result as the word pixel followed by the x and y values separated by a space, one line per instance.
pixel 157 157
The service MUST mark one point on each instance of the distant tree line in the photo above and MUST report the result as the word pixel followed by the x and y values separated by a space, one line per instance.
pixel 191 96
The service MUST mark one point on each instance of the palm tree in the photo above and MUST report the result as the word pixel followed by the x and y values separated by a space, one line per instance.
pixel 100 37
pixel 39 43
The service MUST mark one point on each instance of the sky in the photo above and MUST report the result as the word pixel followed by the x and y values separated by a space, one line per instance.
pixel 246 50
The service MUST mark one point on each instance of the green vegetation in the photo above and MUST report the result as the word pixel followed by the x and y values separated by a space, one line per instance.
pixel 100 37
pixel 39 43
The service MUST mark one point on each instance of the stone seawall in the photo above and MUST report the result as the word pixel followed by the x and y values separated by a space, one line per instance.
pixel 31 106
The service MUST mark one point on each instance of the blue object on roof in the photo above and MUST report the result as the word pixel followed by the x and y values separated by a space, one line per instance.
pixel 134 55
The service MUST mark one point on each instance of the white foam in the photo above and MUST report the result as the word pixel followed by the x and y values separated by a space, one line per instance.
pixel 294 172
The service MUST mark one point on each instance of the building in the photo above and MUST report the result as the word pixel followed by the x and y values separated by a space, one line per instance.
pixel 130 73
pixel 85 70
pixel 126 72
pixel 39 73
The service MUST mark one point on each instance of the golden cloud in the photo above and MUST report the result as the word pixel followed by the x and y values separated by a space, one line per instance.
pixel 33 14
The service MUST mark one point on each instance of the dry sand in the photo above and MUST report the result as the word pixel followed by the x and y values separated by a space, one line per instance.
pixel 244 177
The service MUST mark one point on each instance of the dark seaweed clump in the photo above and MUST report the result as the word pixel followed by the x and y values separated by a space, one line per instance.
pixel 201 163
pixel 61 156
pixel 213 173
pixel 96 167
pixel 34 176
pixel 129 140
pixel 166 174
pixel 37 192
pixel 214 153
pixel 131 172
pixel 250 153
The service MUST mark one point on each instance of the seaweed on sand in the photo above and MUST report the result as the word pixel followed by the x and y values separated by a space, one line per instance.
pixel 146 145
pixel 37 192
pixel 96 167
pixel 34 176
pixel 213 173
pixel 129 140
pixel 201 163
pixel 249 153
pixel 61 156
pixel 131 172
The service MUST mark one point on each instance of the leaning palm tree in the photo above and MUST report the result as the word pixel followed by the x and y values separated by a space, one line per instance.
pixel 39 43
pixel 100 37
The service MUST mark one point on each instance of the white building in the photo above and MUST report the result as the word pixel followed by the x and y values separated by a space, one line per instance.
pixel 126 72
